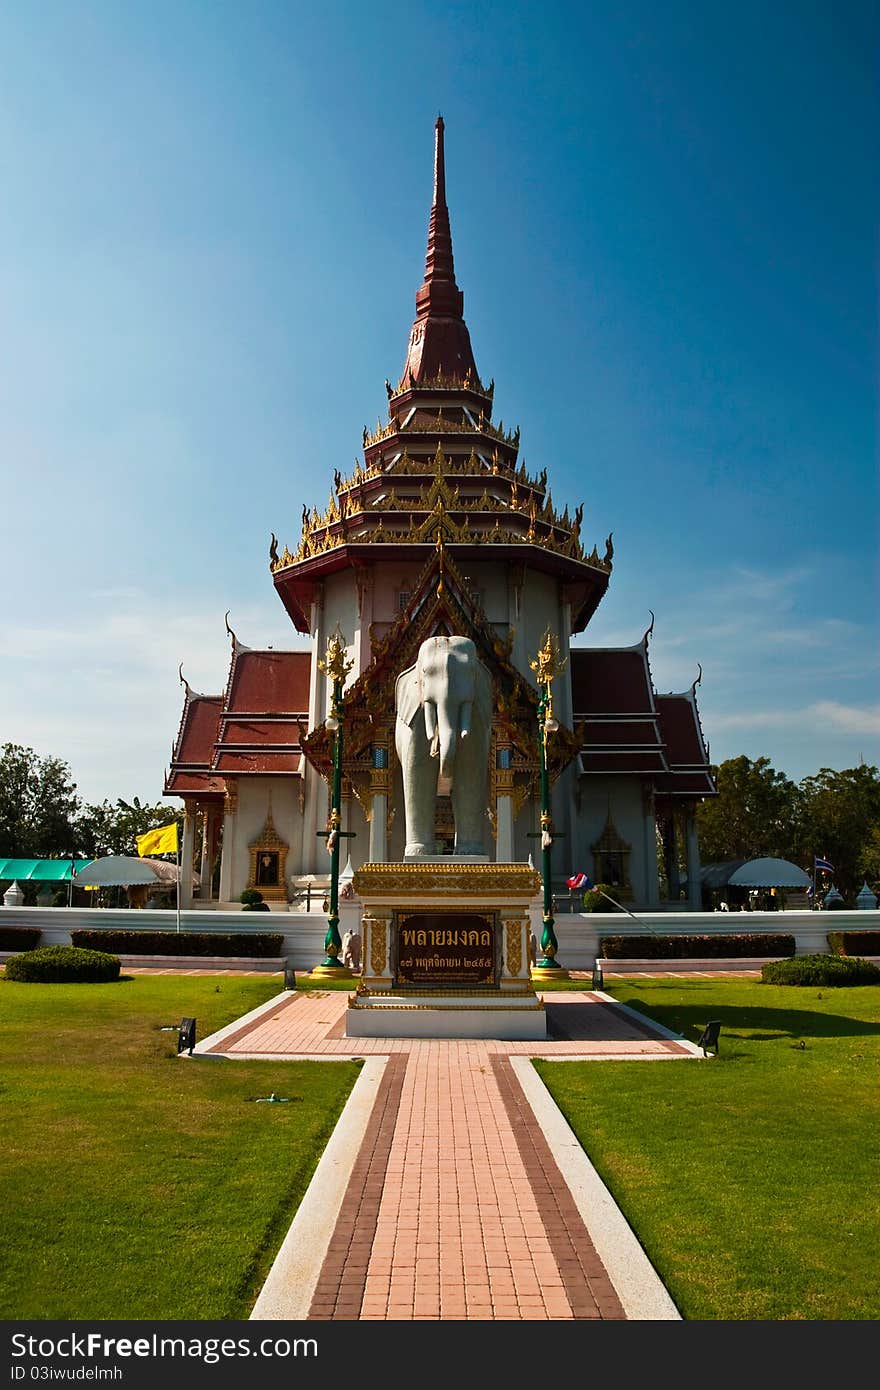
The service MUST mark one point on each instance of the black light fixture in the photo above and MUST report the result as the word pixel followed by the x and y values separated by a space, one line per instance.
pixel 186 1036
pixel 598 980
pixel 709 1036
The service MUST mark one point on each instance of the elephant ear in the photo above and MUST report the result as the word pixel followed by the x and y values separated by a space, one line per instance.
pixel 406 695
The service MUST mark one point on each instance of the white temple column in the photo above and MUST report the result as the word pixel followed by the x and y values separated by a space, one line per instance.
pixel 652 874
pixel 187 850
pixel 695 894
pixel 227 854
pixel 205 860
pixel 380 779
pixel 317 713
pixel 503 805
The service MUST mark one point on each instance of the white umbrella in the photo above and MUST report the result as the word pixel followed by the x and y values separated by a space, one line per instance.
pixel 117 871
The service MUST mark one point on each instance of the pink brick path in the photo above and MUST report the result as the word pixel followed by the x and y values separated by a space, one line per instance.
pixel 455 1208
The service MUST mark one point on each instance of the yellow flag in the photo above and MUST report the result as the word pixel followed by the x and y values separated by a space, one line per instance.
pixel 163 840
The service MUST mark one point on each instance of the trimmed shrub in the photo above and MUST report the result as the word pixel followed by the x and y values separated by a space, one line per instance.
pixel 172 943
pixel 594 901
pixel 19 938
pixel 682 947
pixel 63 965
pixel 252 901
pixel 858 943
pixel 821 970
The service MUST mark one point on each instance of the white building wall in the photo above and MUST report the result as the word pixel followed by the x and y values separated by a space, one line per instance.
pixel 251 816
pixel 624 796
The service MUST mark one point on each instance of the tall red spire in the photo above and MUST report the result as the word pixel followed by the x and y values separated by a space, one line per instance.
pixel 439 344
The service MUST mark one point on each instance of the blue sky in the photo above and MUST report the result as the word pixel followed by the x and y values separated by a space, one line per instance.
pixel 212 227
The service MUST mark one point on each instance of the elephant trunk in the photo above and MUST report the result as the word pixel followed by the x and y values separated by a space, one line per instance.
pixel 448 736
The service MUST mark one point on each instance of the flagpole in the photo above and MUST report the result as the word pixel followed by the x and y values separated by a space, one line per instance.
pixel 178 882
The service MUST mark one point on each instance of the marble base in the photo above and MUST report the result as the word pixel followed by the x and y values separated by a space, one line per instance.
pixel 399 1014
pixel 400 996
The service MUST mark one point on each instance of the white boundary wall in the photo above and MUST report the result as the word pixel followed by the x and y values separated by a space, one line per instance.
pixel 578 934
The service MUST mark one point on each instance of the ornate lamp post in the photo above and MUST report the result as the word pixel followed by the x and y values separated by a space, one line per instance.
pixel 547 666
pixel 336 668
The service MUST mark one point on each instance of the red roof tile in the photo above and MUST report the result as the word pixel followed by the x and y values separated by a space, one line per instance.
pixel 198 732
pixel 187 783
pixel 611 680
pixel 269 682
pixel 239 762
pixel 259 731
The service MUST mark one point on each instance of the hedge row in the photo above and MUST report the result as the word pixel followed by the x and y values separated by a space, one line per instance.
pixel 19 938
pixel 680 947
pixel 854 943
pixel 821 970
pixel 170 943
pixel 62 965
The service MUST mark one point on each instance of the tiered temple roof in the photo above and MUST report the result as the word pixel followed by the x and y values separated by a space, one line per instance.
pixel 440 478
pixel 440 467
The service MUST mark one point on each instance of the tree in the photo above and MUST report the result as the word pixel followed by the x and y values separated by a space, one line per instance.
pixel 754 815
pixel 111 828
pixel 37 805
pixel 839 819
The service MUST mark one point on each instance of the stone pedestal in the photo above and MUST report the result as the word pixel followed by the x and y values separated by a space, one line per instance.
pixel 445 951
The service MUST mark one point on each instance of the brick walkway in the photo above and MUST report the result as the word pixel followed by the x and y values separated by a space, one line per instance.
pixel 455 1205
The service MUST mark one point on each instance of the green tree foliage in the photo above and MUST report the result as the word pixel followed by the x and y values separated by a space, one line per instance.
pixel 840 820
pixel 755 813
pixel 113 828
pixel 869 859
pixel 37 805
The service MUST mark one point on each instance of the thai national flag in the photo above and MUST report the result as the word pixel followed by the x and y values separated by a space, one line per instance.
pixel 822 864
pixel 578 881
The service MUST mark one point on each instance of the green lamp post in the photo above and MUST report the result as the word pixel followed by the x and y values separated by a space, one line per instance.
pixel 336 668
pixel 547 666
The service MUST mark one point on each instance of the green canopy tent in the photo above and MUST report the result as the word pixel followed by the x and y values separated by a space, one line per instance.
pixel 41 870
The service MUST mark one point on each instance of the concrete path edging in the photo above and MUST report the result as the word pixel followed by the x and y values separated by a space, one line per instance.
pixel 237 1024
pixel 639 1287
pixel 286 1296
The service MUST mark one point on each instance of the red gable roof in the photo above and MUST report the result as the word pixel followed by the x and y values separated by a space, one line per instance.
pixel 689 773
pixel 268 682
pixel 611 680
pixel 628 728
pixel 193 751
pixel 253 728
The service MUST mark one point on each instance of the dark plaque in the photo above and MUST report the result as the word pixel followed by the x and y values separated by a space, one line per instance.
pixel 446 948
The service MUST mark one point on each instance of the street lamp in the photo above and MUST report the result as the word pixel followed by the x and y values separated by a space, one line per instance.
pixel 336 668
pixel 547 666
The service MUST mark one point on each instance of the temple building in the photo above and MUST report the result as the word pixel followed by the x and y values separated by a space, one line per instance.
pixel 441 530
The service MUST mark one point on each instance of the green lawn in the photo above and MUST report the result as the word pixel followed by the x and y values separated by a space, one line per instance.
pixel 135 1184
pixel 750 1179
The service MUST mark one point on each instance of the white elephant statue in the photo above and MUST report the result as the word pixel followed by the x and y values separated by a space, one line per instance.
pixel 443 730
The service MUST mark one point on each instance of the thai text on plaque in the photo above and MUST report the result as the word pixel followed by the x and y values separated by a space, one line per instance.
pixel 445 948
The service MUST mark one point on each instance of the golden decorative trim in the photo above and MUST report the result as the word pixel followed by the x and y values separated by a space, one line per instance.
pixel 538 1006
pixel 269 843
pixel 523 991
pixel 378 946
pixel 513 947
pixel 414 878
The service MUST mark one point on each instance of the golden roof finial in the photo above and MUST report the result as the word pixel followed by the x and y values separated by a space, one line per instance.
pixel 549 662
pixel 334 663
